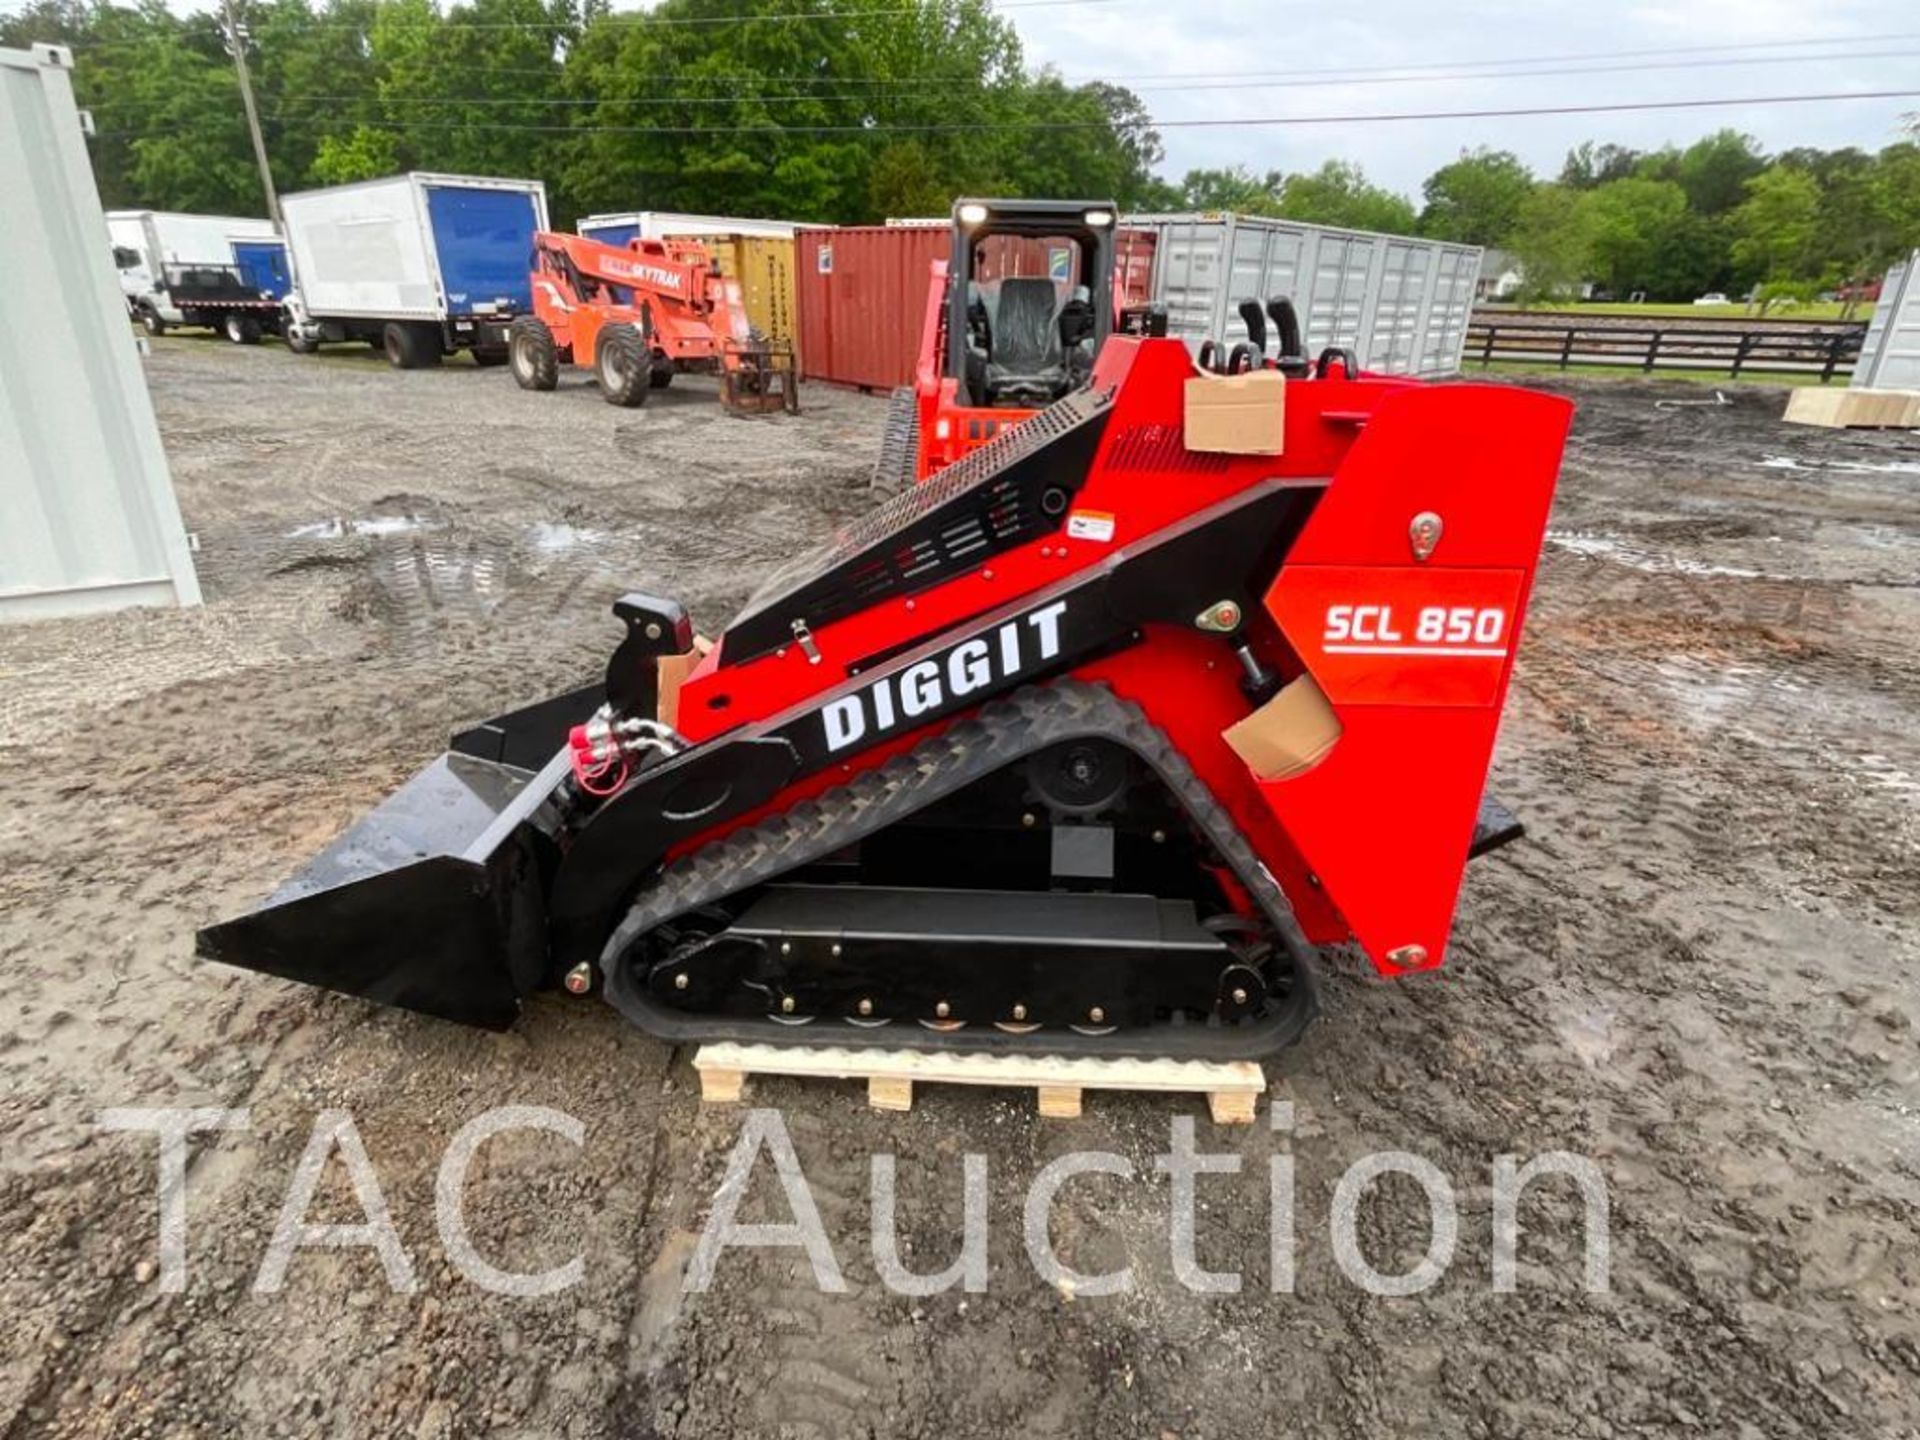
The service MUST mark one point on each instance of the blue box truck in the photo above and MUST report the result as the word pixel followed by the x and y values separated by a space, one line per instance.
pixel 419 265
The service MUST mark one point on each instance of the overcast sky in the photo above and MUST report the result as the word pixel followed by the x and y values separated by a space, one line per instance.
pixel 1139 41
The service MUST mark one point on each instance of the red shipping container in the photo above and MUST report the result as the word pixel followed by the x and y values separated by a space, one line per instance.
pixel 1133 267
pixel 861 293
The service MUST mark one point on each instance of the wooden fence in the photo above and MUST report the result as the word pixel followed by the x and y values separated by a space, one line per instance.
pixel 1826 351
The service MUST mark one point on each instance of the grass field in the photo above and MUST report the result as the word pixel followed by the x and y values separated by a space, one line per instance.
pixel 1812 310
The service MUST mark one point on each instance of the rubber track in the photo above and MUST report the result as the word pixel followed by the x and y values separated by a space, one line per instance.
pixel 899 459
pixel 1000 734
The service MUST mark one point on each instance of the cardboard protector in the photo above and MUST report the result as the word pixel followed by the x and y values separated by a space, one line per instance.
pixel 1289 734
pixel 1237 414
pixel 672 672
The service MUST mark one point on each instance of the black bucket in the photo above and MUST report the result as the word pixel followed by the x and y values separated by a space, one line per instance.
pixel 436 900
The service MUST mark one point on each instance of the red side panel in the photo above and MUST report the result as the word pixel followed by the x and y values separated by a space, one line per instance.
pixel 1415 654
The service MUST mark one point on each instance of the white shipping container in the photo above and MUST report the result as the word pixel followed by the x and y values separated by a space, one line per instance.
pixel 1890 354
pixel 1401 305
pixel 369 251
pixel 88 519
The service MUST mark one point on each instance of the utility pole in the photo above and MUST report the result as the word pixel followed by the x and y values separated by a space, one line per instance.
pixel 236 41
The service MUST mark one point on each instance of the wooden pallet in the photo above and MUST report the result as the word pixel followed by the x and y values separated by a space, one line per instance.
pixel 1232 1088
pixel 1840 408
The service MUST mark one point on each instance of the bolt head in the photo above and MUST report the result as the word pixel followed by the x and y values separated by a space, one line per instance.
pixel 786 947
pixel 1019 1012
pixel 836 949
pixel 653 630
pixel 865 1007
pixel 942 1010
pixel 1159 837
pixel 786 1004
pixel 1029 820
pixel 1097 1015
pixel 1239 995
pixel 680 981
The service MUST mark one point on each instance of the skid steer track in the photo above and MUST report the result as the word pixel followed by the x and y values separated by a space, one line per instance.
pixel 999 735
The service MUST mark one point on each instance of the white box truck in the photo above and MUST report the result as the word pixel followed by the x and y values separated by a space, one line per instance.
pixel 417 265
pixel 224 272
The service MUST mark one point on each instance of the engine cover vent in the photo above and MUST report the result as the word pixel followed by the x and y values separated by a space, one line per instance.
pixel 992 500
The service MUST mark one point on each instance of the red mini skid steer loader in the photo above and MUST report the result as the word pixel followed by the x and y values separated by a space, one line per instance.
pixel 1083 746
pixel 637 315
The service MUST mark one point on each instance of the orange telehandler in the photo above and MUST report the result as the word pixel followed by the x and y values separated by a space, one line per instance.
pixel 637 315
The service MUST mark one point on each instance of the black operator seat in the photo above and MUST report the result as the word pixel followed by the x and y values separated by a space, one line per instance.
pixel 1028 363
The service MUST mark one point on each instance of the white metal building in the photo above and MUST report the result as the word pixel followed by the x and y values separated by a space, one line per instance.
pixel 88 519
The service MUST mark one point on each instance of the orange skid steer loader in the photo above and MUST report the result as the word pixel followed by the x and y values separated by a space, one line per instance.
pixel 637 315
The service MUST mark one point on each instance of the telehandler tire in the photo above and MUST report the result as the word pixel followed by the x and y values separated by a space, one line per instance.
pixel 531 353
pixel 623 365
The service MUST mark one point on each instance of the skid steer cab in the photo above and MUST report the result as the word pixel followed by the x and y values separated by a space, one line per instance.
pixel 1014 320
pixel 639 314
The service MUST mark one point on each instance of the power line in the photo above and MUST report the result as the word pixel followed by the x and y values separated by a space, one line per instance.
pixel 650 20
pixel 945 127
pixel 818 97
pixel 1336 75
pixel 914 86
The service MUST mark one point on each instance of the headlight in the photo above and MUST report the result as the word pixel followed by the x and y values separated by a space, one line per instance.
pixel 1099 219
pixel 973 213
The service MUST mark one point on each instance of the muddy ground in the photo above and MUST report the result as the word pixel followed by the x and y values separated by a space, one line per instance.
pixel 1697 972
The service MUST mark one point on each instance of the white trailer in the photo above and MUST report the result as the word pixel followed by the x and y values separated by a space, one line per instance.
pixel 1890 354
pixel 182 269
pixel 618 229
pixel 88 520
pixel 417 264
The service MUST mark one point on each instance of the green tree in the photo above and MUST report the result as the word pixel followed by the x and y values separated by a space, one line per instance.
pixel 1688 259
pixel 1714 172
pixel 1776 229
pixel 1896 182
pixel 1551 240
pixel 1234 188
pixel 1590 164
pixel 360 154
pixel 1476 200
pixel 1338 194
pixel 1624 222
